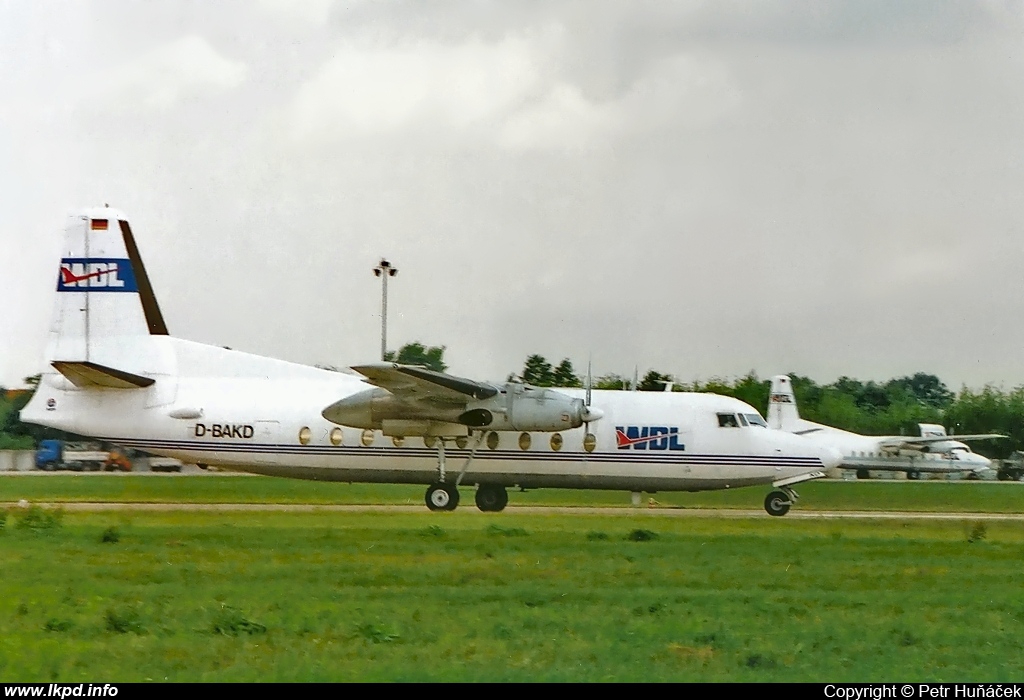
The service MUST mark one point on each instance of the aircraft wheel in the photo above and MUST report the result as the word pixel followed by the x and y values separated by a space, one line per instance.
pixel 491 499
pixel 863 474
pixel 442 497
pixel 914 475
pixel 777 503
pixel 1002 476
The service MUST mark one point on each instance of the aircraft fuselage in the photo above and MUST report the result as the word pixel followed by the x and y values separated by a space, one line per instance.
pixel 266 419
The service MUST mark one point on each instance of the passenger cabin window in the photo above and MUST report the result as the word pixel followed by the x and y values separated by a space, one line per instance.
pixel 754 419
pixel 727 420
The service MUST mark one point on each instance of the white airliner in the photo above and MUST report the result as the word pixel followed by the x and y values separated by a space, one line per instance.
pixel 933 451
pixel 116 374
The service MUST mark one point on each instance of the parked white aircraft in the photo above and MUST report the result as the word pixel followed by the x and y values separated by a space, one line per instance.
pixel 116 374
pixel 933 451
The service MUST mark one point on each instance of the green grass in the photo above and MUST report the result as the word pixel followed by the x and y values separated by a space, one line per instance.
pixel 953 496
pixel 465 596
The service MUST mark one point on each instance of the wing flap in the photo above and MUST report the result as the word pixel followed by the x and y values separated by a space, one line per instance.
pixel 87 375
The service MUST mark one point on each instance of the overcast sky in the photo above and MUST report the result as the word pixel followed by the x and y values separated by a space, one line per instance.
pixel 702 188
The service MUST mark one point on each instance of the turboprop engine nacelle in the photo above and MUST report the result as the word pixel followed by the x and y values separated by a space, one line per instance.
pixel 517 407
pixel 523 407
pixel 371 408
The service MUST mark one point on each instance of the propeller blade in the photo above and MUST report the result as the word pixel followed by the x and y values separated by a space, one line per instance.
pixel 589 384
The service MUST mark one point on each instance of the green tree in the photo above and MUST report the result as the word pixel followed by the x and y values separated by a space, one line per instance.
pixel 926 389
pixel 654 381
pixel 17 435
pixel 752 390
pixel 808 393
pixel 419 355
pixel 564 375
pixel 989 410
pixel 538 371
pixel 615 382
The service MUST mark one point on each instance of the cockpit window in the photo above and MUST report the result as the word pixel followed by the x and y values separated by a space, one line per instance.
pixel 727 420
pixel 743 421
pixel 754 419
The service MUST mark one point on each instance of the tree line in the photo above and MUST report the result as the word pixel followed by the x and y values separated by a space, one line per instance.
pixel 893 407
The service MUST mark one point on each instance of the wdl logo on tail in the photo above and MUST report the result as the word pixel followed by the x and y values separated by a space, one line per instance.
pixel 96 275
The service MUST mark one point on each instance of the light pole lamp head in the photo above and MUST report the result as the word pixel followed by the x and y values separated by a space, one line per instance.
pixel 384 267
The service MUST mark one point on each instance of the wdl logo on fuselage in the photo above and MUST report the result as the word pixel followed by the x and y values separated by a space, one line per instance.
pixel 96 275
pixel 647 437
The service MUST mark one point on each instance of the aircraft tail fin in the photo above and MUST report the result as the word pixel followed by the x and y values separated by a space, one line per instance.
pixel 782 410
pixel 105 312
pixel 932 430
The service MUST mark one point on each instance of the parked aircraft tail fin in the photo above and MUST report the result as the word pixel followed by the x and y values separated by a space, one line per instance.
pixel 782 411
pixel 932 430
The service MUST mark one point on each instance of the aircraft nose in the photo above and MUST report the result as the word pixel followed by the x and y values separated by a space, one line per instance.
pixel 982 463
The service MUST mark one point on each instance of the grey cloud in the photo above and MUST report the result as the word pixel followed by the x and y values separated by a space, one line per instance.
pixel 709 188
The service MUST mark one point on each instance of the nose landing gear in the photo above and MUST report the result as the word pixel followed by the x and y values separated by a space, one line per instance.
pixel 778 502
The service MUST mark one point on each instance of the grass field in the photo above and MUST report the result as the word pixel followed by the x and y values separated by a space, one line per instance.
pixel 953 496
pixel 468 596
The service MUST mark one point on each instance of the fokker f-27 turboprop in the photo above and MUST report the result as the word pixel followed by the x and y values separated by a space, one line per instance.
pixel 932 452
pixel 116 374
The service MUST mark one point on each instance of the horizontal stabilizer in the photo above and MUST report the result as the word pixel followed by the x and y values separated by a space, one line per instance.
pixel 86 375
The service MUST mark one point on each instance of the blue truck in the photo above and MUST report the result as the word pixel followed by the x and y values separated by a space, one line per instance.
pixel 80 456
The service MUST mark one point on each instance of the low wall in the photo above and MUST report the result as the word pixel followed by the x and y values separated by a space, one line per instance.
pixel 17 460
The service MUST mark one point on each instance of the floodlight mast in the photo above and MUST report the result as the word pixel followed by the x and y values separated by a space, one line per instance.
pixel 384 270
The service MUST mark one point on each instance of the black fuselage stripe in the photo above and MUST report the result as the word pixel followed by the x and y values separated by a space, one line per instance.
pixel 626 456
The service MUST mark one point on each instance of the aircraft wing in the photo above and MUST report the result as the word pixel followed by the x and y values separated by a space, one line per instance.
pixel 411 383
pixel 916 443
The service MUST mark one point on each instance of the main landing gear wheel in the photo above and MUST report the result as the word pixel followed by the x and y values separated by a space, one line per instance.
pixel 777 503
pixel 442 497
pixel 863 474
pixel 491 499
pixel 914 475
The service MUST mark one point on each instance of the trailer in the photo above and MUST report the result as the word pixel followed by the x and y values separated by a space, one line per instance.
pixel 81 456
pixel 164 464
